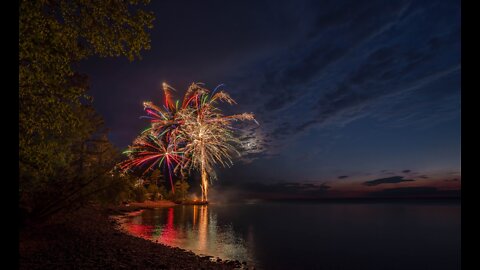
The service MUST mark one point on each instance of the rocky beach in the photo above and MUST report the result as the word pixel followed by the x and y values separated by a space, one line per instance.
pixel 91 239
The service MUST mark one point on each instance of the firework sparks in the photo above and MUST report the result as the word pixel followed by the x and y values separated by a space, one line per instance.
pixel 209 134
pixel 191 135
pixel 148 151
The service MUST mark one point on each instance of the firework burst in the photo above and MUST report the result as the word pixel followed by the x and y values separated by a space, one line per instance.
pixel 192 135
pixel 148 152
pixel 209 134
pixel 158 145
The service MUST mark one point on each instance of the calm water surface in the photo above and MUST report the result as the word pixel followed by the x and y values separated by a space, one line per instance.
pixel 312 235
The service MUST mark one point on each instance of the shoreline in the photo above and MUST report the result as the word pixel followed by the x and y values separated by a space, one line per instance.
pixel 134 206
pixel 91 239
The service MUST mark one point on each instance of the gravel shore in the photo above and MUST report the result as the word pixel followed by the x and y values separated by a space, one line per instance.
pixel 89 239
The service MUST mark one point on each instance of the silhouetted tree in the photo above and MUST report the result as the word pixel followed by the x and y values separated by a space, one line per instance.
pixel 58 127
pixel 156 177
pixel 181 187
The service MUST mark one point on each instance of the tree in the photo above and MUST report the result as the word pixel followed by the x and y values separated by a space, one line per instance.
pixel 153 192
pixel 116 188
pixel 56 34
pixel 56 119
pixel 162 190
pixel 181 186
pixel 140 193
pixel 156 177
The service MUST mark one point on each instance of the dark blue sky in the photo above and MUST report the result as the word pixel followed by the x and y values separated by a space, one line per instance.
pixel 346 92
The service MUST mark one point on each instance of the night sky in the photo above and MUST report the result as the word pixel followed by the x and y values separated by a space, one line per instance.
pixel 354 98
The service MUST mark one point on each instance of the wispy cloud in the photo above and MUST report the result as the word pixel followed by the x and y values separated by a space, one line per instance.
pixel 360 62
pixel 387 180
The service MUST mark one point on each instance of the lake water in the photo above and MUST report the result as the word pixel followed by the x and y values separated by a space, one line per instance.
pixel 281 235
